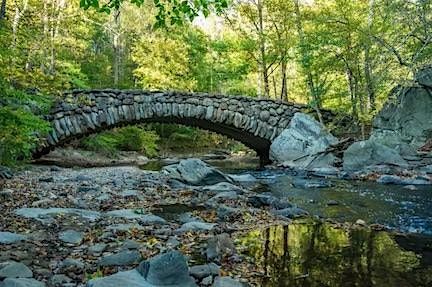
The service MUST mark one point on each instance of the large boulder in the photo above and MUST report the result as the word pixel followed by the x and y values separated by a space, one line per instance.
pixel 405 122
pixel 302 143
pixel 370 153
pixel 424 76
pixel 165 270
pixel 194 171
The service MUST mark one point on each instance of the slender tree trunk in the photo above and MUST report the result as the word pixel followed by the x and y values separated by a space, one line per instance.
pixel 284 88
pixel 370 89
pixel 16 20
pixel 274 87
pixel 262 48
pixel 305 57
pixel 3 10
pixel 45 33
pixel 116 48
pixel 352 91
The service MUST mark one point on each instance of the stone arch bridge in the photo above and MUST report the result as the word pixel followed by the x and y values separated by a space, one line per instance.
pixel 254 122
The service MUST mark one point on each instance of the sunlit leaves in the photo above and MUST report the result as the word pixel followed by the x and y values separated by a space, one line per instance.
pixel 173 12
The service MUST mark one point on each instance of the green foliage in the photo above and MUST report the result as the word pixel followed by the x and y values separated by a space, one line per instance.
pixel 137 139
pixel 174 12
pixel 131 138
pixel 104 143
pixel 19 134
pixel 21 125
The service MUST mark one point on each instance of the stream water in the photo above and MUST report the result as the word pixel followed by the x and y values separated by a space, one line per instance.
pixel 315 253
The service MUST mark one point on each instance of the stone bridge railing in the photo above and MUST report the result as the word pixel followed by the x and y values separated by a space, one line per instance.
pixel 254 122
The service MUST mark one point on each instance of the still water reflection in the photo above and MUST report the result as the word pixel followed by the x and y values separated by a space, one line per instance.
pixel 319 254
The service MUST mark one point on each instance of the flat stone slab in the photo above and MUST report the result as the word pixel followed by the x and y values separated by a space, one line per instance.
pixel 10 238
pixel 71 236
pixel 196 226
pixel 22 282
pixel 15 270
pixel 128 278
pixel 120 259
pixel 40 213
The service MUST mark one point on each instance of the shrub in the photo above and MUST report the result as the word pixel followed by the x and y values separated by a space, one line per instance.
pixel 19 134
pixel 131 138
pixel 104 143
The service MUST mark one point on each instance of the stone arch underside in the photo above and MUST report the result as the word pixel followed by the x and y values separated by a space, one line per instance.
pixel 254 122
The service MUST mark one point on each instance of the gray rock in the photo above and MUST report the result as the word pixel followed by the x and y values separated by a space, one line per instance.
pixel 97 248
pixel 88 188
pixel 165 270
pixel 226 195
pixel 243 178
pixel 292 212
pixel 195 226
pixel 427 169
pixel 227 213
pixel 226 282
pixel 22 282
pixel 195 172
pixel 390 179
pixel 130 193
pixel 370 153
pixel 405 123
pixel 124 227
pixel 10 238
pixel 150 219
pixel 5 173
pixel 71 236
pixel 202 271
pixel 128 278
pixel 168 269
pixel 122 258
pixel 6 193
pixel 42 213
pixel 58 280
pixel 299 144
pixel 394 179
pixel 130 245
pixel 267 200
pixel 207 281
pixel 15 270
pixel 219 246
pixel 136 214
pixel 223 187
pixel 70 264
pixel 424 76
pixel 189 217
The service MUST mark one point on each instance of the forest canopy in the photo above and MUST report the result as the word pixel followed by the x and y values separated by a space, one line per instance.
pixel 341 55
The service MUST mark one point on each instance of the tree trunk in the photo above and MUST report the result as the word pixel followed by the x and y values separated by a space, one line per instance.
pixel 116 48
pixel 262 48
pixel 15 22
pixel 370 89
pixel 304 58
pixel 3 10
pixel 284 88
pixel 352 91
pixel 45 33
pixel 274 87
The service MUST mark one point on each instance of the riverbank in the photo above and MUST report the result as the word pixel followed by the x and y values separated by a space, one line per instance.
pixel 72 225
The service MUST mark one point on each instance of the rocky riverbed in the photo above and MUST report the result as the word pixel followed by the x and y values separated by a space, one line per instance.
pixel 187 225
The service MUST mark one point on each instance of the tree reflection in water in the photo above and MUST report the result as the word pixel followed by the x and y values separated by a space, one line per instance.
pixel 319 254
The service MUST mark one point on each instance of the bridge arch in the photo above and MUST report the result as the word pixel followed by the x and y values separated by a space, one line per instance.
pixel 254 122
